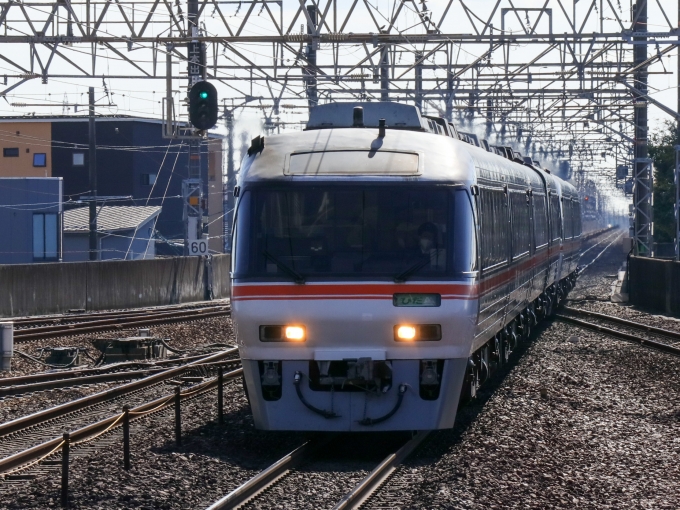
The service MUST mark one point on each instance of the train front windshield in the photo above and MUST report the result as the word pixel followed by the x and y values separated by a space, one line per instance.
pixel 397 232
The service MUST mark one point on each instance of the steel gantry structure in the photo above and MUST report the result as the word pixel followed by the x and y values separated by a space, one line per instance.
pixel 561 79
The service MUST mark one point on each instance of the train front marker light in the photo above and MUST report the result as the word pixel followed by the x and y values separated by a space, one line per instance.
pixel 417 333
pixel 295 333
pixel 407 333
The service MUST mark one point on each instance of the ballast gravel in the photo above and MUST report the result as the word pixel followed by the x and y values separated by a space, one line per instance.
pixel 213 460
pixel 191 336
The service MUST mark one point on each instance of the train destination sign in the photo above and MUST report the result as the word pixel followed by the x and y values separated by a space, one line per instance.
pixel 417 300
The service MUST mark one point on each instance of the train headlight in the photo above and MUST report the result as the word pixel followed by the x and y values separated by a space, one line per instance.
pixel 283 333
pixel 295 333
pixel 417 332
pixel 406 333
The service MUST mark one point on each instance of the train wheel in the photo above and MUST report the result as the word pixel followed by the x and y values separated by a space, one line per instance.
pixel 548 307
pixel 525 324
pixel 505 346
pixel 497 350
pixel 472 378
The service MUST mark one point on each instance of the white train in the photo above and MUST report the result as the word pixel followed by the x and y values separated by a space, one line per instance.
pixel 383 265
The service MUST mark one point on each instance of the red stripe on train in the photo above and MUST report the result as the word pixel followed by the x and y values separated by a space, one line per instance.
pixel 349 291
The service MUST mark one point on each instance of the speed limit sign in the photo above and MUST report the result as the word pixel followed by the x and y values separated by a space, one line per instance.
pixel 198 247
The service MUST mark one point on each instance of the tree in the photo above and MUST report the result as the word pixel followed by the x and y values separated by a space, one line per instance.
pixel 662 151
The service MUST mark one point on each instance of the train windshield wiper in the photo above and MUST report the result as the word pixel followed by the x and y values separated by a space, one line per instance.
pixel 297 277
pixel 401 277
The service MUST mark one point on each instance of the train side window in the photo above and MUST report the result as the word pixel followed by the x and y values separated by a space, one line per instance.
pixel 540 220
pixel 494 227
pixel 555 222
pixel 519 212
pixel 577 219
pixel 567 205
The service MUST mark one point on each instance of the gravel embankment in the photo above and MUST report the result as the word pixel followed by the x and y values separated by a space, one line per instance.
pixel 213 460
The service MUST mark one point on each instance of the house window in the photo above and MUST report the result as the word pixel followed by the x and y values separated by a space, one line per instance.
pixel 10 152
pixel 78 159
pixel 148 179
pixel 45 236
pixel 39 159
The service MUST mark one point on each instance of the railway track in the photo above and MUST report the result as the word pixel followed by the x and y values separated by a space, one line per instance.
pixel 27 384
pixel 82 315
pixel 41 458
pixel 29 432
pixel 665 340
pixel 265 482
pixel 30 330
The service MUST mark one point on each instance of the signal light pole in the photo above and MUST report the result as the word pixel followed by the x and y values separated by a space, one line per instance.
pixel 93 178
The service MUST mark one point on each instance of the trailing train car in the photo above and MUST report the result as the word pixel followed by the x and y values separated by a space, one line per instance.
pixel 383 266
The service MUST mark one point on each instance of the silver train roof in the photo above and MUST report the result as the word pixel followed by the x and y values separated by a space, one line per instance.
pixel 414 148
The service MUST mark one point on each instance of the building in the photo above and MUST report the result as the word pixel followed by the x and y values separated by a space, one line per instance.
pixel 30 219
pixel 133 160
pixel 123 233
pixel 26 149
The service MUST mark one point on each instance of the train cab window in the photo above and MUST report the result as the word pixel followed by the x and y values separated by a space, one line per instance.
pixel 398 232
pixel 494 229
pixel 540 221
pixel 521 228
pixel 555 220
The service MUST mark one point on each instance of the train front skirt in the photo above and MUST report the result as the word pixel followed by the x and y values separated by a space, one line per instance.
pixel 413 395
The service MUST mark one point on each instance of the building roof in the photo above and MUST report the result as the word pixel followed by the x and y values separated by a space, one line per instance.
pixel 111 218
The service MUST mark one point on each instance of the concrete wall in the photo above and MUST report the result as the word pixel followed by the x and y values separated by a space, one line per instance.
pixel 655 284
pixel 33 289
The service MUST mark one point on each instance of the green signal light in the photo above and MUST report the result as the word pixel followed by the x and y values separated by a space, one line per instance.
pixel 203 95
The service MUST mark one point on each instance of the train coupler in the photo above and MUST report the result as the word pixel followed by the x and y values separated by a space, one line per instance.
pixel 270 379
pixel 430 378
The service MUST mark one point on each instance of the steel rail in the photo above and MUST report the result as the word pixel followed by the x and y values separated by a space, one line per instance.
pixel 263 479
pixel 625 322
pixel 35 452
pixel 83 372
pixel 26 335
pixel 67 324
pixel 283 466
pixel 94 315
pixel 92 379
pixel 380 474
pixel 77 381
pixel 620 334
pixel 68 407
